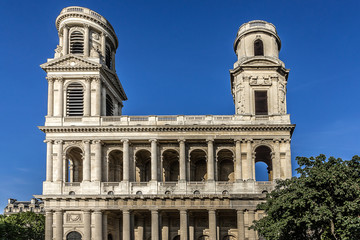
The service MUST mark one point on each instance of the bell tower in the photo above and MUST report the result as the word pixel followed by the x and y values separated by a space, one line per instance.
pixel 259 77
pixel 83 83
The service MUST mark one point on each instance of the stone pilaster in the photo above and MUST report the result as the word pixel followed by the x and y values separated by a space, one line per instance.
pixel 184 234
pixel 59 225
pixel 105 225
pixel 276 161
pixel 87 224
pixel 126 160
pixel 87 97
pixel 50 96
pixel 60 97
pixel 288 169
pixel 210 160
pixel 126 225
pixel 251 217
pixel 98 227
pixel 65 40
pixel 154 224
pixel 49 160
pixel 49 225
pixel 238 162
pixel 240 224
pixel 182 161
pixel 87 161
pixel 86 40
pixel 212 225
pixel 249 159
pixel 98 156
pixel 59 161
pixel 153 159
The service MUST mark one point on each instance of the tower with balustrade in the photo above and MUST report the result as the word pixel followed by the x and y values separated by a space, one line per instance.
pixel 110 176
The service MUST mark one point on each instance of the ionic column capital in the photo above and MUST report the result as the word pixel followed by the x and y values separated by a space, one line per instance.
pixel 50 79
pixel 59 141
pixel 277 140
pixel 153 140
pixel 249 140
pixel 95 79
pixel 125 140
pixel 97 141
pixel 59 79
pixel 209 140
pixel 48 141
pixel 181 140
pixel 87 141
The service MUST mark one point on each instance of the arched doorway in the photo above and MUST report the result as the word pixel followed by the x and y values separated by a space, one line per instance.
pixel 263 155
pixel 198 169
pixel 74 165
pixel 73 236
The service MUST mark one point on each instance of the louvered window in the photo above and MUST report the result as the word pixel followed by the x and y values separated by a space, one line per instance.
pixel 109 106
pixel 77 42
pixel 74 100
pixel 108 58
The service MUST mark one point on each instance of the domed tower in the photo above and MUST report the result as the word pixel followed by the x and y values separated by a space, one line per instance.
pixel 259 77
pixel 82 78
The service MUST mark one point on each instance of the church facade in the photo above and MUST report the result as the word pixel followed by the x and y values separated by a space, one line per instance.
pixel 110 176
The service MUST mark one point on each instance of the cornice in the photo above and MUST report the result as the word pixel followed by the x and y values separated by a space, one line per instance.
pixel 93 129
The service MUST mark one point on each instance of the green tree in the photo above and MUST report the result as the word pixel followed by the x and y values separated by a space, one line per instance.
pixel 322 203
pixel 22 226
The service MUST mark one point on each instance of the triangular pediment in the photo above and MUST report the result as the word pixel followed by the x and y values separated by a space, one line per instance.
pixel 70 62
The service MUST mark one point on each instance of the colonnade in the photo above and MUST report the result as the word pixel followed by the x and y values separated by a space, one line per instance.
pixel 244 161
pixel 95 225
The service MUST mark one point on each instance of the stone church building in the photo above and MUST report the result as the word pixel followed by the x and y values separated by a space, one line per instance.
pixel 112 177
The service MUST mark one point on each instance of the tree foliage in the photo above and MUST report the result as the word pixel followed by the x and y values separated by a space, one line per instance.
pixel 322 203
pixel 22 226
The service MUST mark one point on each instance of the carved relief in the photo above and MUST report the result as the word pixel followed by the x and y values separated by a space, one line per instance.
pixel 282 94
pixel 73 218
pixel 95 45
pixel 240 103
pixel 58 51
pixel 260 81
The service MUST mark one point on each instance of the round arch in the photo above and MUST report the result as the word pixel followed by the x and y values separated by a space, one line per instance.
pixel 73 235
pixel 263 153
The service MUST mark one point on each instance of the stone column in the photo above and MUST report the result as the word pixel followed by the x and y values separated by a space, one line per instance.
pixel 50 96
pixel 97 82
pixel 276 163
pixel 105 225
pixel 126 225
pixel 97 160
pixel 184 234
pixel 87 224
pixel 58 225
pixel 240 224
pixel 249 159
pixel 86 40
pixel 48 225
pixel 191 228
pixel 252 233
pixel 154 224
pixel 165 227
pixel 238 167
pixel 140 228
pixel 103 100
pixel 87 156
pixel 98 228
pixel 212 225
pixel 182 161
pixel 49 160
pixel 288 169
pixel 60 98
pixel 65 40
pixel 59 162
pixel 87 97
pixel 126 160
pixel 210 161
pixel 153 160
pixel 113 59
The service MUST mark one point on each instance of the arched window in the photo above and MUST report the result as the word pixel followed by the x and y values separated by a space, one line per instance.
pixel 74 165
pixel 263 163
pixel 73 236
pixel 225 165
pixel 198 169
pixel 170 165
pixel 74 100
pixel 77 42
pixel 258 48
pixel 115 166
pixel 143 166
pixel 108 57
pixel 109 106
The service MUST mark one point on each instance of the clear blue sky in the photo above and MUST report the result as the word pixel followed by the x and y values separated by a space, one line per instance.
pixel 173 58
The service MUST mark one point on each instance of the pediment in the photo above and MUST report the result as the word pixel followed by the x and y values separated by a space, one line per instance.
pixel 70 63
